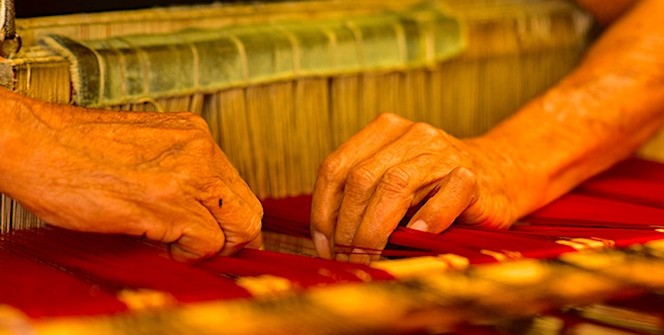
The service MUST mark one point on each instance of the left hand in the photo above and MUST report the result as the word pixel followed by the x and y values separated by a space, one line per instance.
pixel 160 175
pixel 366 186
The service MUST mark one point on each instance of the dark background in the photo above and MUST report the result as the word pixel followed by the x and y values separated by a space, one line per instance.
pixel 32 8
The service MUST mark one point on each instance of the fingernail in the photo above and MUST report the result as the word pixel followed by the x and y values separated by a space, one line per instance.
pixel 322 245
pixel 419 225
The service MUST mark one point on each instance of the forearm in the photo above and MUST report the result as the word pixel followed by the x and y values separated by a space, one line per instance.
pixel 605 11
pixel 599 114
pixel 12 131
pixel 24 122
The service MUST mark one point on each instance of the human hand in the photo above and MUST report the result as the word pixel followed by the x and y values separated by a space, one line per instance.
pixel 368 184
pixel 155 174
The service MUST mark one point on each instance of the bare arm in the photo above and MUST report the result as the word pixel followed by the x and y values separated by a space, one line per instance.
pixel 153 174
pixel 606 12
pixel 599 114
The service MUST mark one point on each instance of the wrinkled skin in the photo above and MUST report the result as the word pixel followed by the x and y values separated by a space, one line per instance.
pixel 153 174
pixel 367 185
pixel 597 115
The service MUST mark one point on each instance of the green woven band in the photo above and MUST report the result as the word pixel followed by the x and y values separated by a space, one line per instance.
pixel 129 69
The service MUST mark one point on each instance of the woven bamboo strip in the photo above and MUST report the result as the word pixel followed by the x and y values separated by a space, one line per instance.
pixel 214 16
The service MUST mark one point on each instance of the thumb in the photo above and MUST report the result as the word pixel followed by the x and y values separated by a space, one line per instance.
pixel 198 240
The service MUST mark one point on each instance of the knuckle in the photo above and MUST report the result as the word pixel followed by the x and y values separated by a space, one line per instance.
pixel 424 129
pixel 361 178
pixel 396 180
pixel 188 120
pixel 391 119
pixel 330 168
pixel 203 137
pixel 196 120
pixel 196 125
pixel 467 176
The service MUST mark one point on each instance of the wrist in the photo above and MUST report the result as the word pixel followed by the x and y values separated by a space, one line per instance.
pixel 518 176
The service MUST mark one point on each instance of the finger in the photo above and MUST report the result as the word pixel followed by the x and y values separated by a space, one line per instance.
pixel 362 179
pixel 360 185
pixel 238 217
pixel 228 222
pixel 248 204
pixel 198 240
pixel 232 178
pixel 455 193
pixel 394 195
pixel 257 243
pixel 327 195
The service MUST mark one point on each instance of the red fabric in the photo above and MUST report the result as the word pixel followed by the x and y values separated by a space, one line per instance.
pixel 302 271
pixel 574 209
pixel 633 180
pixel 118 262
pixel 40 290
pixel 51 272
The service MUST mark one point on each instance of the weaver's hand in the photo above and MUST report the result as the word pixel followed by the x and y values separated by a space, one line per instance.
pixel 155 174
pixel 367 185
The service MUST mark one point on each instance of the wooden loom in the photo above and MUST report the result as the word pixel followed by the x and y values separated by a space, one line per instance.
pixel 301 77
pixel 302 110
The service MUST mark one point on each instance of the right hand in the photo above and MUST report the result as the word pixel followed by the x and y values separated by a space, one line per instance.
pixel 368 184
